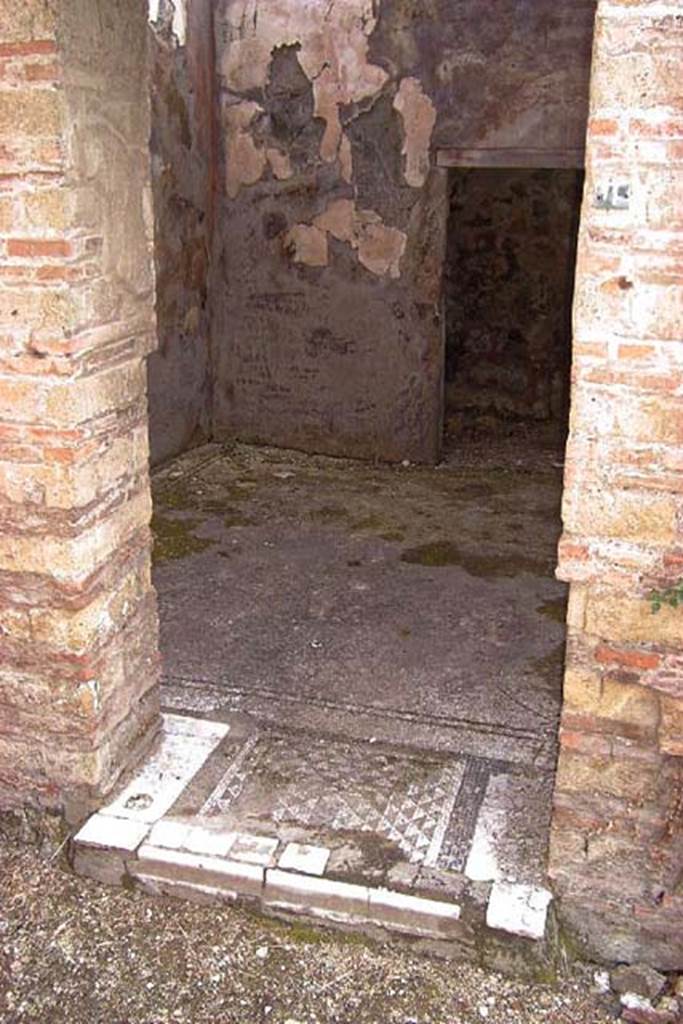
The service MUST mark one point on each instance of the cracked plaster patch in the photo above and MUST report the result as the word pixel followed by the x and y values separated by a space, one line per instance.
pixel 332 40
pixel 419 117
pixel 307 244
pixel 245 161
pixel 280 164
pixel 379 247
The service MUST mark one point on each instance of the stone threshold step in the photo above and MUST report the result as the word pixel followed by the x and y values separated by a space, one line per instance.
pixel 137 839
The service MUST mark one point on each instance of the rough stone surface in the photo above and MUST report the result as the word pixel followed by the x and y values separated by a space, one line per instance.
pixel 78 643
pixel 638 978
pixel 617 841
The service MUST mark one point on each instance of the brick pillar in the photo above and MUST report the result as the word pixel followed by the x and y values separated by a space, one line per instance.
pixel 78 634
pixel 617 840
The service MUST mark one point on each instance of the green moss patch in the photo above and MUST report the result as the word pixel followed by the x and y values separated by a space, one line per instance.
pixel 173 538
pixel 439 553
pixel 555 609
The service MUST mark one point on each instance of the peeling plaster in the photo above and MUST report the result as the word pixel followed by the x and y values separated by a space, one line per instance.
pixel 346 159
pixel 306 243
pixel 245 161
pixel 280 164
pixel 379 247
pixel 419 117
pixel 339 220
pixel 332 41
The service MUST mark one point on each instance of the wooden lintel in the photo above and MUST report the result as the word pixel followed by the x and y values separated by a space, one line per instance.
pixel 512 156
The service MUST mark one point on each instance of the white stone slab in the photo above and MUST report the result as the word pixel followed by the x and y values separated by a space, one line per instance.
pixel 217 872
pixel 414 914
pixel 309 860
pixel 413 904
pixel 483 862
pixel 112 833
pixel 209 841
pixel 322 897
pixel 179 835
pixel 169 834
pixel 195 892
pixel 185 745
pixel 518 909
pixel 203 728
pixel 253 849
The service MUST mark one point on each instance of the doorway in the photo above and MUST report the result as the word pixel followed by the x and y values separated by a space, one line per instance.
pixel 382 644
pixel 508 292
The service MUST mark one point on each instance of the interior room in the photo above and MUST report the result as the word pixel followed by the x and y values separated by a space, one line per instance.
pixel 358 414
pixel 297 285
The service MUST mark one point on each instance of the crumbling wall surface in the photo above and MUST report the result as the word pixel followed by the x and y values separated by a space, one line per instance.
pixel 505 74
pixel 508 285
pixel 326 278
pixel 78 643
pixel 617 838
pixel 182 148
pixel 327 272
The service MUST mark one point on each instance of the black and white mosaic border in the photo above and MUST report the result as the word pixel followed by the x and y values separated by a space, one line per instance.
pixel 136 836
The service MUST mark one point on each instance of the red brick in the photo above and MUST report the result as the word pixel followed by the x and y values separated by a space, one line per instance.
pixel 575 552
pixel 585 743
pixel 623 656
pixel 39 247
pixel 636 351
pixel 602 126
pixel 28 49
pixel 44 72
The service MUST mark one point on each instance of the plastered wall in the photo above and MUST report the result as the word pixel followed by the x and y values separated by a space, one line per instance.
pixel 327 326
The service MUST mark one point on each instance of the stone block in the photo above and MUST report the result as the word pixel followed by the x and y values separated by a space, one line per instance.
pixel 254 849
pixel 321 897
pixel 671 726
pixel 31 112
pixel 102 865
pixel 416 915
pixel 230 878
pixel 308 860
pixel 107 832
pixel 622 618
pixel 518 909
pixel 625 515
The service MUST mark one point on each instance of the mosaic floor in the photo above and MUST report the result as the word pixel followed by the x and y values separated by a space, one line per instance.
pixel 380 651
pixel 350 832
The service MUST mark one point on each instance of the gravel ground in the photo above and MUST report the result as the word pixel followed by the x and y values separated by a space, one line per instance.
pixel 73 951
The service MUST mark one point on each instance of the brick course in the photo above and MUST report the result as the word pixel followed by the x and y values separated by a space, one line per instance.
pixel 78 635
pixel 620 771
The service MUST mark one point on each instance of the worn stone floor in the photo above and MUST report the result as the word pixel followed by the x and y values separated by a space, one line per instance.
pixel 386 645
pixel 362 675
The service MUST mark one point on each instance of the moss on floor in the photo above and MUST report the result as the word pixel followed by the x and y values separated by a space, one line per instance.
pixel 555 609
pixel 173 538
pixel 439 553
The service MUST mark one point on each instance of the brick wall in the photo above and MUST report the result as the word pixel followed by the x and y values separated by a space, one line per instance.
pixel 78 648
pixel 617 845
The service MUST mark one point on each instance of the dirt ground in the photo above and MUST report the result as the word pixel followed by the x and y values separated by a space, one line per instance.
pixel 72 952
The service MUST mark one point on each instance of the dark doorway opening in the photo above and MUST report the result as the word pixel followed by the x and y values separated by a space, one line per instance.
pixel 508 290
